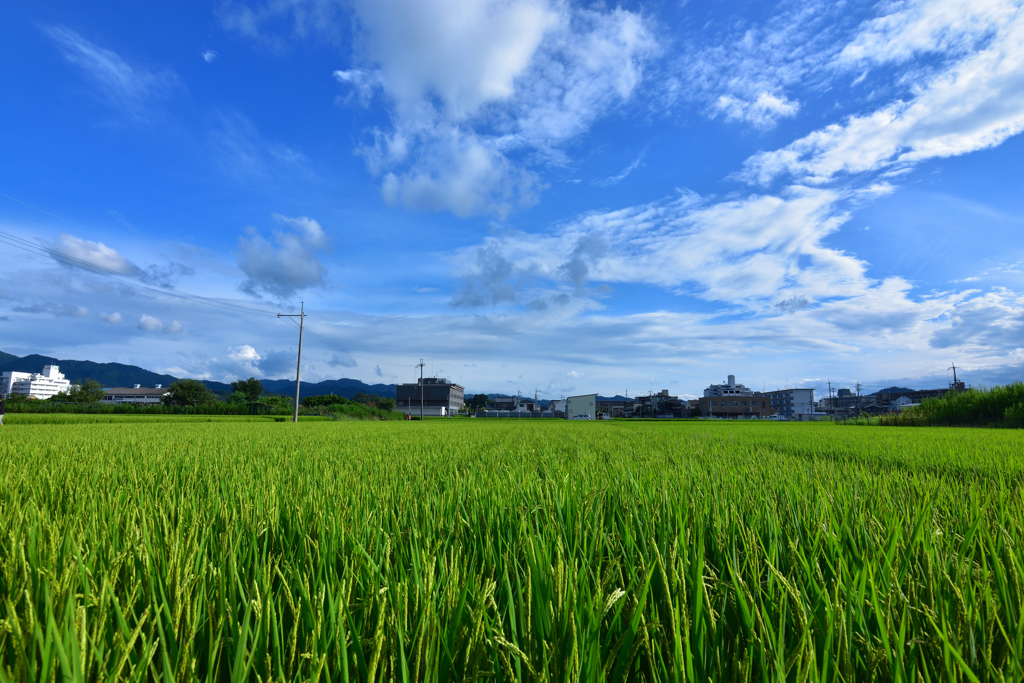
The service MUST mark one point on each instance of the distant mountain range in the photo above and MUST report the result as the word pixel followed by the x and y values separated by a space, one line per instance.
pixel 121 375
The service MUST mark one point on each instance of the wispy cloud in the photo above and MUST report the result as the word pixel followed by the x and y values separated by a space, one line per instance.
pixel 624 173
pixel 974 103
pixel 243 154
pixel 131 89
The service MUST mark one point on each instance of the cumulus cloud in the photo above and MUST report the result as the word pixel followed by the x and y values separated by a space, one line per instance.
pixel 285 263
pixel 98 257
pixel 209 56
pixel 148 323
pixel 95 254
pixel 473 83
pixel 111 318
pixel 129 88
pixel 173 328
pixel 278 364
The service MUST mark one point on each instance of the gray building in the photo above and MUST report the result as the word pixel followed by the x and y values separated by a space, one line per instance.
pixel 789 404
pixel 440 398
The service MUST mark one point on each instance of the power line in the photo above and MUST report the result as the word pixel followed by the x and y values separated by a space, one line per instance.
pixel 135 281
pixel 124 278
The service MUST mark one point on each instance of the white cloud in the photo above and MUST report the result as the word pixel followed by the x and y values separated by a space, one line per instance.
pixel 131 89
pixel 362 82
pixel 209 56
pixel 148 323
pixel 975 103
pixel 111 318
pixel 623 174
pixel 949 27
pixel 173 328
pixel 471 84
pixel 287 262
pixel 756 252
pixel 763 112
pixel 745 70
pixel 54 309
pixel 94 254
pixel 244 354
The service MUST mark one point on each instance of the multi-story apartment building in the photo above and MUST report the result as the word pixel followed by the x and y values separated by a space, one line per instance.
pixel 730 388
pixel 438 396
pixel 751 406
pixel 790 404
pixel 49 382
pixel 731 400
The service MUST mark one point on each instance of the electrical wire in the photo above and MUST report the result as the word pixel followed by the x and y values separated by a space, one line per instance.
pixel 136 281
pixel 67 259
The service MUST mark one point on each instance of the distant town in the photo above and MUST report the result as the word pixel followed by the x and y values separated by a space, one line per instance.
pixel 439 397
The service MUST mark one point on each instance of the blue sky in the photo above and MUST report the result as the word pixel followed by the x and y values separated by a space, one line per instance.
pixel 527 194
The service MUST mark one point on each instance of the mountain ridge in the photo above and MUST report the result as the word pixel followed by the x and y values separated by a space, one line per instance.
pixel 122 375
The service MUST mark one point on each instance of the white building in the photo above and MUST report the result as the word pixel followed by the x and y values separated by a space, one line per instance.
pixel 34 384
pixel 581 405
pixel 902 403
pixel 790 404
pixel 730 388
pixel 137 394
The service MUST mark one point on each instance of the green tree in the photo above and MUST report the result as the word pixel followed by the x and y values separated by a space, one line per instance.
pixel 477 402
pixel 89 391
pixel 323 401
pixel 189 393
pixel 250 388
pixel 366 399
pixel 386 403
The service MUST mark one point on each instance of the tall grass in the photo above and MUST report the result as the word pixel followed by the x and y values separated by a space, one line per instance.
pixel 996 407
pixel 526 550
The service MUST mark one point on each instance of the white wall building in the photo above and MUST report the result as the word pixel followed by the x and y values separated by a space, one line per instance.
pixel 730 388
pixel 790 404
pixel 581 405
pixel 35 384
pixel 137 394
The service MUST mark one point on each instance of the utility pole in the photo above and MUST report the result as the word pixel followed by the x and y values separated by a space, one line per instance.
pixel 831 406
pixel 301 315
pixel 858 398
pixel 953 368
pixel 420 366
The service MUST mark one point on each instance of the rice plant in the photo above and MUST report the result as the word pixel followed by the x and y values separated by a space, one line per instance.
pixel 492 550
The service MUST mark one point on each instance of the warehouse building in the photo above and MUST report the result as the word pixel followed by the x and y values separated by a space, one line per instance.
pixel 137 394
pixel 576 406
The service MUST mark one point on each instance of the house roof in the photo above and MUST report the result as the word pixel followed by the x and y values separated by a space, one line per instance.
pixel 144 391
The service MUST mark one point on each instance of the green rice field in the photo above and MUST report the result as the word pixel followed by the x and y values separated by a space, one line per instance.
pixel 244 549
